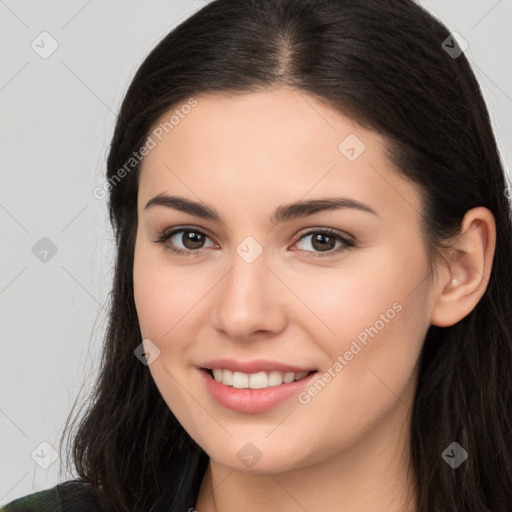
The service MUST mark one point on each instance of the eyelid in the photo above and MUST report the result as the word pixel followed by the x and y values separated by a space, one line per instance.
pixel 169 231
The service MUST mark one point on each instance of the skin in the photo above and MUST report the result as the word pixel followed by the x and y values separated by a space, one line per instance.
pixel 245 155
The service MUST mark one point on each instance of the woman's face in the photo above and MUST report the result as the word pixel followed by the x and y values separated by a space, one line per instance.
pixel 267 291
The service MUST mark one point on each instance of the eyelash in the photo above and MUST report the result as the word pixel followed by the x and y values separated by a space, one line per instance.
pixel 166 235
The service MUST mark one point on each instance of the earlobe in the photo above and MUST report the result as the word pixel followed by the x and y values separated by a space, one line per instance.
pixel 468 268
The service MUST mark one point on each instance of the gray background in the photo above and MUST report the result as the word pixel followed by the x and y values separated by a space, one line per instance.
pixel 57 117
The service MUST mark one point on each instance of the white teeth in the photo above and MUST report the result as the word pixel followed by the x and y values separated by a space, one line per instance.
pixel 227 377
pixel 260 380
pixel 240 380
pixel 288 377
pixel 275 378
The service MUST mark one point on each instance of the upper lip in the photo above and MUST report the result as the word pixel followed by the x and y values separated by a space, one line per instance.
pixel 255 366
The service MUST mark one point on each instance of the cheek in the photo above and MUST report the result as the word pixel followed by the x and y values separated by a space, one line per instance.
pixel 170 302
pixel 355 299
pixel 158 306
pixel 369 375
pixel 376 320
pixel 164 296
pixel 164 305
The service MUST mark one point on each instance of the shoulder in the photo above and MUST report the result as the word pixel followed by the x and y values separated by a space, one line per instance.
pixel 39 501
pixel 70 496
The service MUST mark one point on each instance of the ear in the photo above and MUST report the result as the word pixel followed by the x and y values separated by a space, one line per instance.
pixel 467 268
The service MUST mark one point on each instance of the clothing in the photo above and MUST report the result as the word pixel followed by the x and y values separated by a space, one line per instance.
pixel 184 476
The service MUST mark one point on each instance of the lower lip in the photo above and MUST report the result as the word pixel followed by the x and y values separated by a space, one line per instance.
pixel 252 400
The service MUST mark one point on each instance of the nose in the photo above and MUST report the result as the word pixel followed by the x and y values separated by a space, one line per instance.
pixel 250 299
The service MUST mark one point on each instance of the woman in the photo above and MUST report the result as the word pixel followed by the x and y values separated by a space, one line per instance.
pixel 311 302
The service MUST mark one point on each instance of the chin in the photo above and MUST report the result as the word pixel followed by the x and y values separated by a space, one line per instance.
pixel 258 457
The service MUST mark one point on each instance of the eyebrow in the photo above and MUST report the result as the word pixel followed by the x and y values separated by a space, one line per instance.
pixel 283 213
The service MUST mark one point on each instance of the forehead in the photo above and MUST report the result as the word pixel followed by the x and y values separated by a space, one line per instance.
pixel 274 143
pixel 256 125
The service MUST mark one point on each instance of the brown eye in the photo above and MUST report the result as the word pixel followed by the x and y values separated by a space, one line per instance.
pixel 325 241
pixel 187 242
pixel 192 239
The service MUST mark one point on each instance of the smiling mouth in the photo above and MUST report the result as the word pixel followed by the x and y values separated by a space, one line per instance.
pixel 259 380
